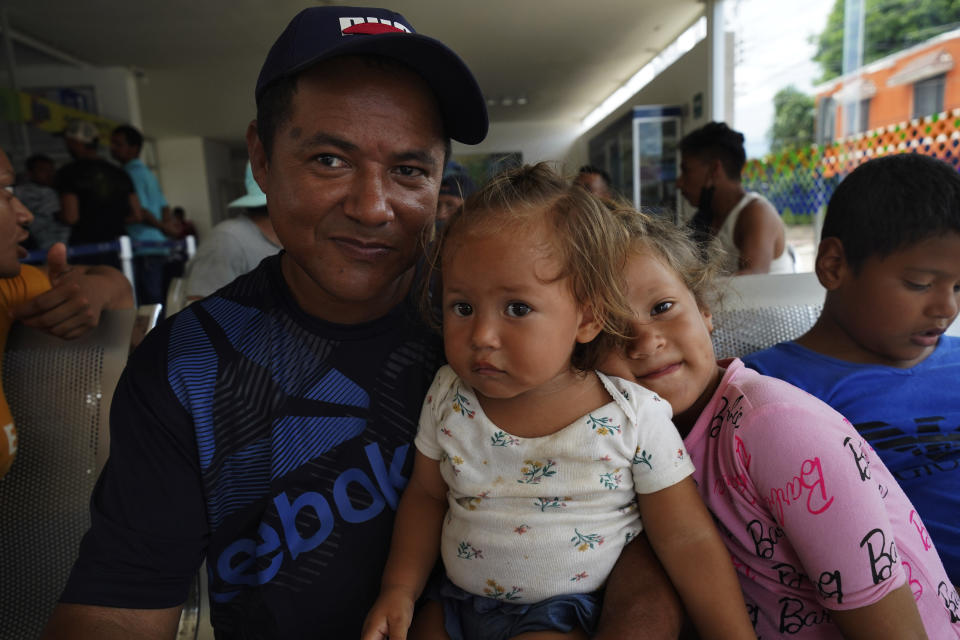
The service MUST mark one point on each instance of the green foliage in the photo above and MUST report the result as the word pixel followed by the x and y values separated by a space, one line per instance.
pixel 792 120
pixel 889 26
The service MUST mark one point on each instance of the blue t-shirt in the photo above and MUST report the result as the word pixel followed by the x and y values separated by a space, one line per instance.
pixel 152 201
pixel 911 417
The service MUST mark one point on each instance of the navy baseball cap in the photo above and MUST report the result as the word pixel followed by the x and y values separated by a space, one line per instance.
pixel 321 33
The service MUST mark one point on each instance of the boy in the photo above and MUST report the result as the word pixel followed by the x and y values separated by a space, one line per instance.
pixel 889 259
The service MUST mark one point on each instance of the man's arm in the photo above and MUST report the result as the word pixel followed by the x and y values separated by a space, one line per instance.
pixel 639 601
pixel 757 236
pixel 137 213
pixel 73 305
pixel 81 622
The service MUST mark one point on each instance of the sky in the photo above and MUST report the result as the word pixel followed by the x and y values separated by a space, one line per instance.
pixel 772 50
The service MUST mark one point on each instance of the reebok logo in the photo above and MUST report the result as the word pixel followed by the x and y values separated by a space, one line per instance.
pixel 370 26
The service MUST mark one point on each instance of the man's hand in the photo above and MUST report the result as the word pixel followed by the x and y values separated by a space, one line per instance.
pixel 78 295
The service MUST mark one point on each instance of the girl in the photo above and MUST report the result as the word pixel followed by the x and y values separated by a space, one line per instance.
pixel 825 543
pixel 533 471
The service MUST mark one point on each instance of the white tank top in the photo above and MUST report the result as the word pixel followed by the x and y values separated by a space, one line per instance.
pixel 783 263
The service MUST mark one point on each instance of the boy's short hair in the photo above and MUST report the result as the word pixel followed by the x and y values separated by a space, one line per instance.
pixel 890 203
pixel 717 141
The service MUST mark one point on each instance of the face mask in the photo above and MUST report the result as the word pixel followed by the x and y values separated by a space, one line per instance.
pixel 704 216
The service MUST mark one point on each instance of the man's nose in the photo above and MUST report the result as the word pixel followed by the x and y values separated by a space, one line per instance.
pixel 368 202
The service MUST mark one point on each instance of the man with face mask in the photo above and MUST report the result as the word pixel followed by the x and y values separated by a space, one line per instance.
pixel 746 225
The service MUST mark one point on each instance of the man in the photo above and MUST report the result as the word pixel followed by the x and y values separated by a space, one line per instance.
pixel 59 299
pixel 39 197
pixel 96 198
pixel 745 224
pixel 234 246
pixel 268 427
pixel 457 186
pixel 156 220
pixel 594 180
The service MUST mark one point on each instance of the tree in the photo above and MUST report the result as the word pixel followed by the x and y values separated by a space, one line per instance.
pixel 889 25
pixel 792 120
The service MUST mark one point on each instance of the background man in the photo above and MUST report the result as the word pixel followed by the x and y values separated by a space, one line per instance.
pixel 96 198
pixel 747 226
pixel 268 427
pixel 594 180
pixel 37 195
pixel 457 186
pixel 59 299
pixel 156 220
pixel 234 246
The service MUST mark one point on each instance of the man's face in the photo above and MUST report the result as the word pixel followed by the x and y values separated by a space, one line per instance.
pixel 42 173
pixel 593 182
pixel 351 184
pixel 121 150
pixel 694 176
pixel 447 204
pixel 14 217
pixel 894 310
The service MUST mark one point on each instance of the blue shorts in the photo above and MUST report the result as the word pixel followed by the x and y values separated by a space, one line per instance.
pixel 471 617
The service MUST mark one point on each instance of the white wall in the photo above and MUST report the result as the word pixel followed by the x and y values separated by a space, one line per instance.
pixel 675 86
pixel 537 141
pixel 183 173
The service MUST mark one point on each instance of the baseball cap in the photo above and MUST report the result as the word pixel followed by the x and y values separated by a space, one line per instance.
pixel 255 197
pixel 321 33
pixel 82 131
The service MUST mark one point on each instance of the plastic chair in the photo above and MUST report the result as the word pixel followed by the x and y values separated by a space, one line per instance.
pixel 59 393
pixel 759 311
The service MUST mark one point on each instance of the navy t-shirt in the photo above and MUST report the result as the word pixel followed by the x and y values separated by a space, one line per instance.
pixel 271 442
pixel 103 196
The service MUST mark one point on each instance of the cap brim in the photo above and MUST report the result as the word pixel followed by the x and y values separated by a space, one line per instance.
pixel 249 201
pixel 462 105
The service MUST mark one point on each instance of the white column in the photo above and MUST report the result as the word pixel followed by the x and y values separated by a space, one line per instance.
pixel 716 44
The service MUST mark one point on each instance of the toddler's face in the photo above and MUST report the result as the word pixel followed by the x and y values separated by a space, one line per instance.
pixel 509 326
pixel 670 352
pixel 895 309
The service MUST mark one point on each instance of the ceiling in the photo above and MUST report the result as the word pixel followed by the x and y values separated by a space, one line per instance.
pixel 200 58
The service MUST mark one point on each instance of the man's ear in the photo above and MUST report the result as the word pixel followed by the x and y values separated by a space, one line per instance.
pixel 589 327
pixel 831 263
pixel 257 154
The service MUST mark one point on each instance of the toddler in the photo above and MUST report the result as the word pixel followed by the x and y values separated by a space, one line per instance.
pixel 826 544
pixel 532 470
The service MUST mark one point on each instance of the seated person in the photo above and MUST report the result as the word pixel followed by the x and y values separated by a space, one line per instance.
pixel 746 225
pixel 64 301
pixel 890 261
pixel 234 246
pixel 594 180
pixel 456 186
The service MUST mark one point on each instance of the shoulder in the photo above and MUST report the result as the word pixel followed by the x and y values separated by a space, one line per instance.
pixel 29 283
pixel 758 214
pixel 637 402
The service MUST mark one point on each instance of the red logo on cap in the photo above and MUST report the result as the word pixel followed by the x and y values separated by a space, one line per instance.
pixel 371 29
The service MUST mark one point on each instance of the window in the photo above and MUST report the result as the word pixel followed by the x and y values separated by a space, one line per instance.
pixel 856 117
pixel 826 120
pixel 928 96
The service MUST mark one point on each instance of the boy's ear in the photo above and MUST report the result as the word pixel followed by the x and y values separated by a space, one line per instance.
pixel 589 327
pixel 831 263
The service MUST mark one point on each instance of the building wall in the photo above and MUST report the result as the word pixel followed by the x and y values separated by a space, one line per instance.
pixel 893 105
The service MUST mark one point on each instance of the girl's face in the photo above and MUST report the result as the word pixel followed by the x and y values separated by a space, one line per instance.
pixel 509 327
pixel 670 352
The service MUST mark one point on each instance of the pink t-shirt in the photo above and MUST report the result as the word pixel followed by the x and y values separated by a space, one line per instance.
pixel 812 518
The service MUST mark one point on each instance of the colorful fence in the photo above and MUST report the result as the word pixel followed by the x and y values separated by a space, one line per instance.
pixel 800 182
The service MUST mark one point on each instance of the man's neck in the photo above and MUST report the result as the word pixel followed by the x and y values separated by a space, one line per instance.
pixel 725 198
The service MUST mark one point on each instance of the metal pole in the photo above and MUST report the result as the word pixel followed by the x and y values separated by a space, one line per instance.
pixel 853 19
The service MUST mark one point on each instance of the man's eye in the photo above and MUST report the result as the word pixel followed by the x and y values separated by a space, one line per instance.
pixel 661 307
pixel 462 309
pixel 329 160
pixel 410 172
pixel 518 309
